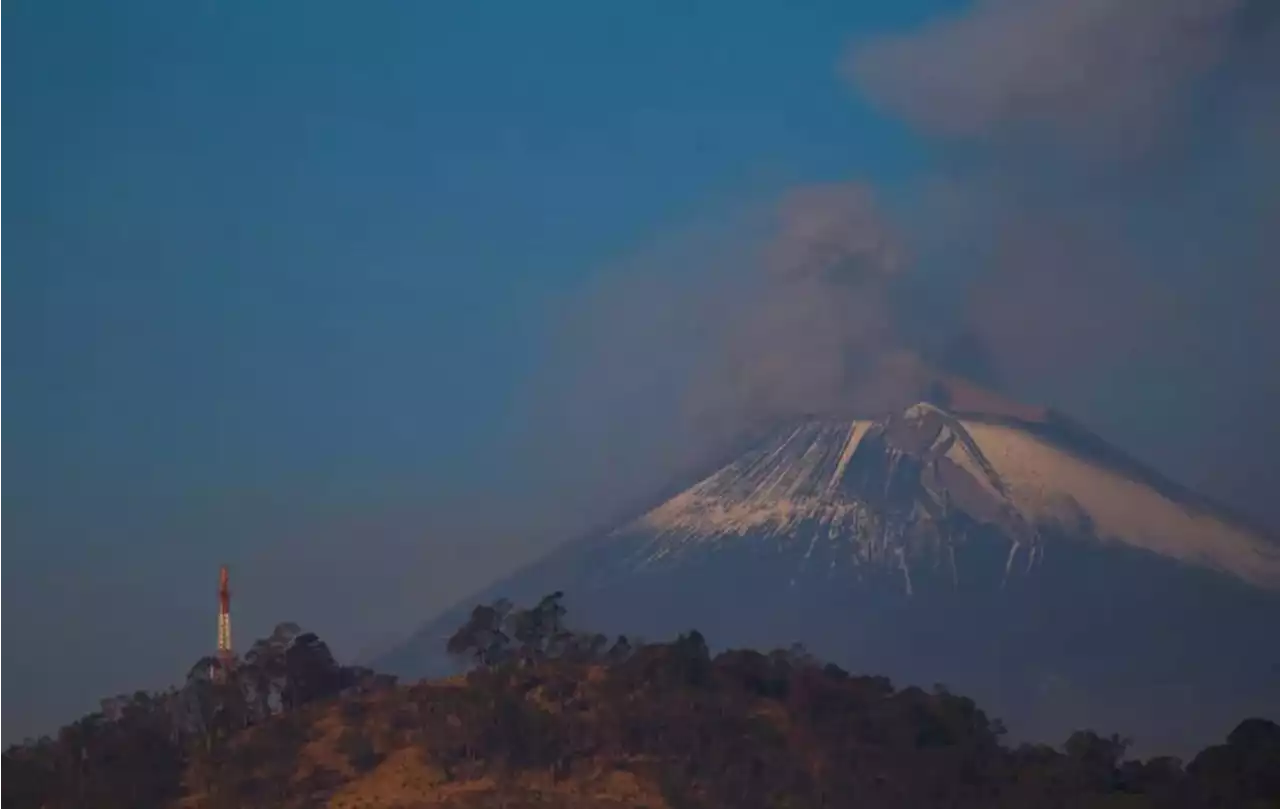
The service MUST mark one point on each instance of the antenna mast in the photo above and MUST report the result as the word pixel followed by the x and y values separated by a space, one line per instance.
pixel 225 654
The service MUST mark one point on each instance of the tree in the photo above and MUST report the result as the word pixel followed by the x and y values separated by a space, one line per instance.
pixel 1245 769
pixel 1261 735
pixel 204 702
pixel 263 673
pixel 584 647
pixel 482 637
pixel 692 658
pixel 540 630
pixel 311 673
pixel 620 650
pixel 1096 758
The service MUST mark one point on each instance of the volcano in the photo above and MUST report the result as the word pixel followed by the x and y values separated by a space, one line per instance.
pixel 999 549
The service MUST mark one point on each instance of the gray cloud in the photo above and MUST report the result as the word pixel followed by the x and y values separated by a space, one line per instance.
pixel 1100 74
pixel 1098 235
pixel 662 363
pixel 812 337
pixel 835 234
pixel 1105 213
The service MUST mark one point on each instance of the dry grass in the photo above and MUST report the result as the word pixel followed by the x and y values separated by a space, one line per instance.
pixel 406 776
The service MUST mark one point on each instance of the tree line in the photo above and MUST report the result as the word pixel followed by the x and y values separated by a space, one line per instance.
pixel 543 704
pixel 896 746
pixel 133 752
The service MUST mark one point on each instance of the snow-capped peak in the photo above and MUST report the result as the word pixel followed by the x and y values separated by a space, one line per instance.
pixel 919 481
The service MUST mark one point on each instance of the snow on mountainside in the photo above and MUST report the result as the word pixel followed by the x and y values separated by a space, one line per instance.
pixel 903 488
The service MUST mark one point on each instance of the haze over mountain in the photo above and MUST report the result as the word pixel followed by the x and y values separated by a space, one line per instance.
pixel 994 547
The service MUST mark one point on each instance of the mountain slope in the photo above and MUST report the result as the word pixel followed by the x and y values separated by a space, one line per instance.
pixel 1000 548
pixel 892 488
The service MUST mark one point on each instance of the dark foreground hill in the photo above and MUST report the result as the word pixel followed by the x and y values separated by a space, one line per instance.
pixel 999 548
pixel 549 717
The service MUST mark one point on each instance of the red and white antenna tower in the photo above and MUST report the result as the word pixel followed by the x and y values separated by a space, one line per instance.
pixel 225 654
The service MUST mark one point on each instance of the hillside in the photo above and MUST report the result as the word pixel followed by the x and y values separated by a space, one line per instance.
pixel 549 717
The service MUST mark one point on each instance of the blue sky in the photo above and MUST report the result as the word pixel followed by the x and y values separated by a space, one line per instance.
pixel 274 272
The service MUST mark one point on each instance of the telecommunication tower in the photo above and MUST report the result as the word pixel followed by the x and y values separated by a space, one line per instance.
pixel 225 654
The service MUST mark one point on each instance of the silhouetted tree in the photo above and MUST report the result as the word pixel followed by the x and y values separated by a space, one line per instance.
pixel 539 631
pixel 482 637
pixel 1245 771
pixel 311 673
pixel 264 674
pixel 744 729
pixel 620 650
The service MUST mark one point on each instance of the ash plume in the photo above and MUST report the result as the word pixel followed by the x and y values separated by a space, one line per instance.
pixel 818 333
pixel 661 365
pixel 1106 211
pixel 1086 177
pixel 1099 76
pixel 1098 234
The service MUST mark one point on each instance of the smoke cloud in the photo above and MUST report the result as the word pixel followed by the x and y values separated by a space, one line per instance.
pixel 671 359
pixel 1107 206
pixel 816 335
pixel 1106 160
pixel 1099 76
pixel 1098 235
